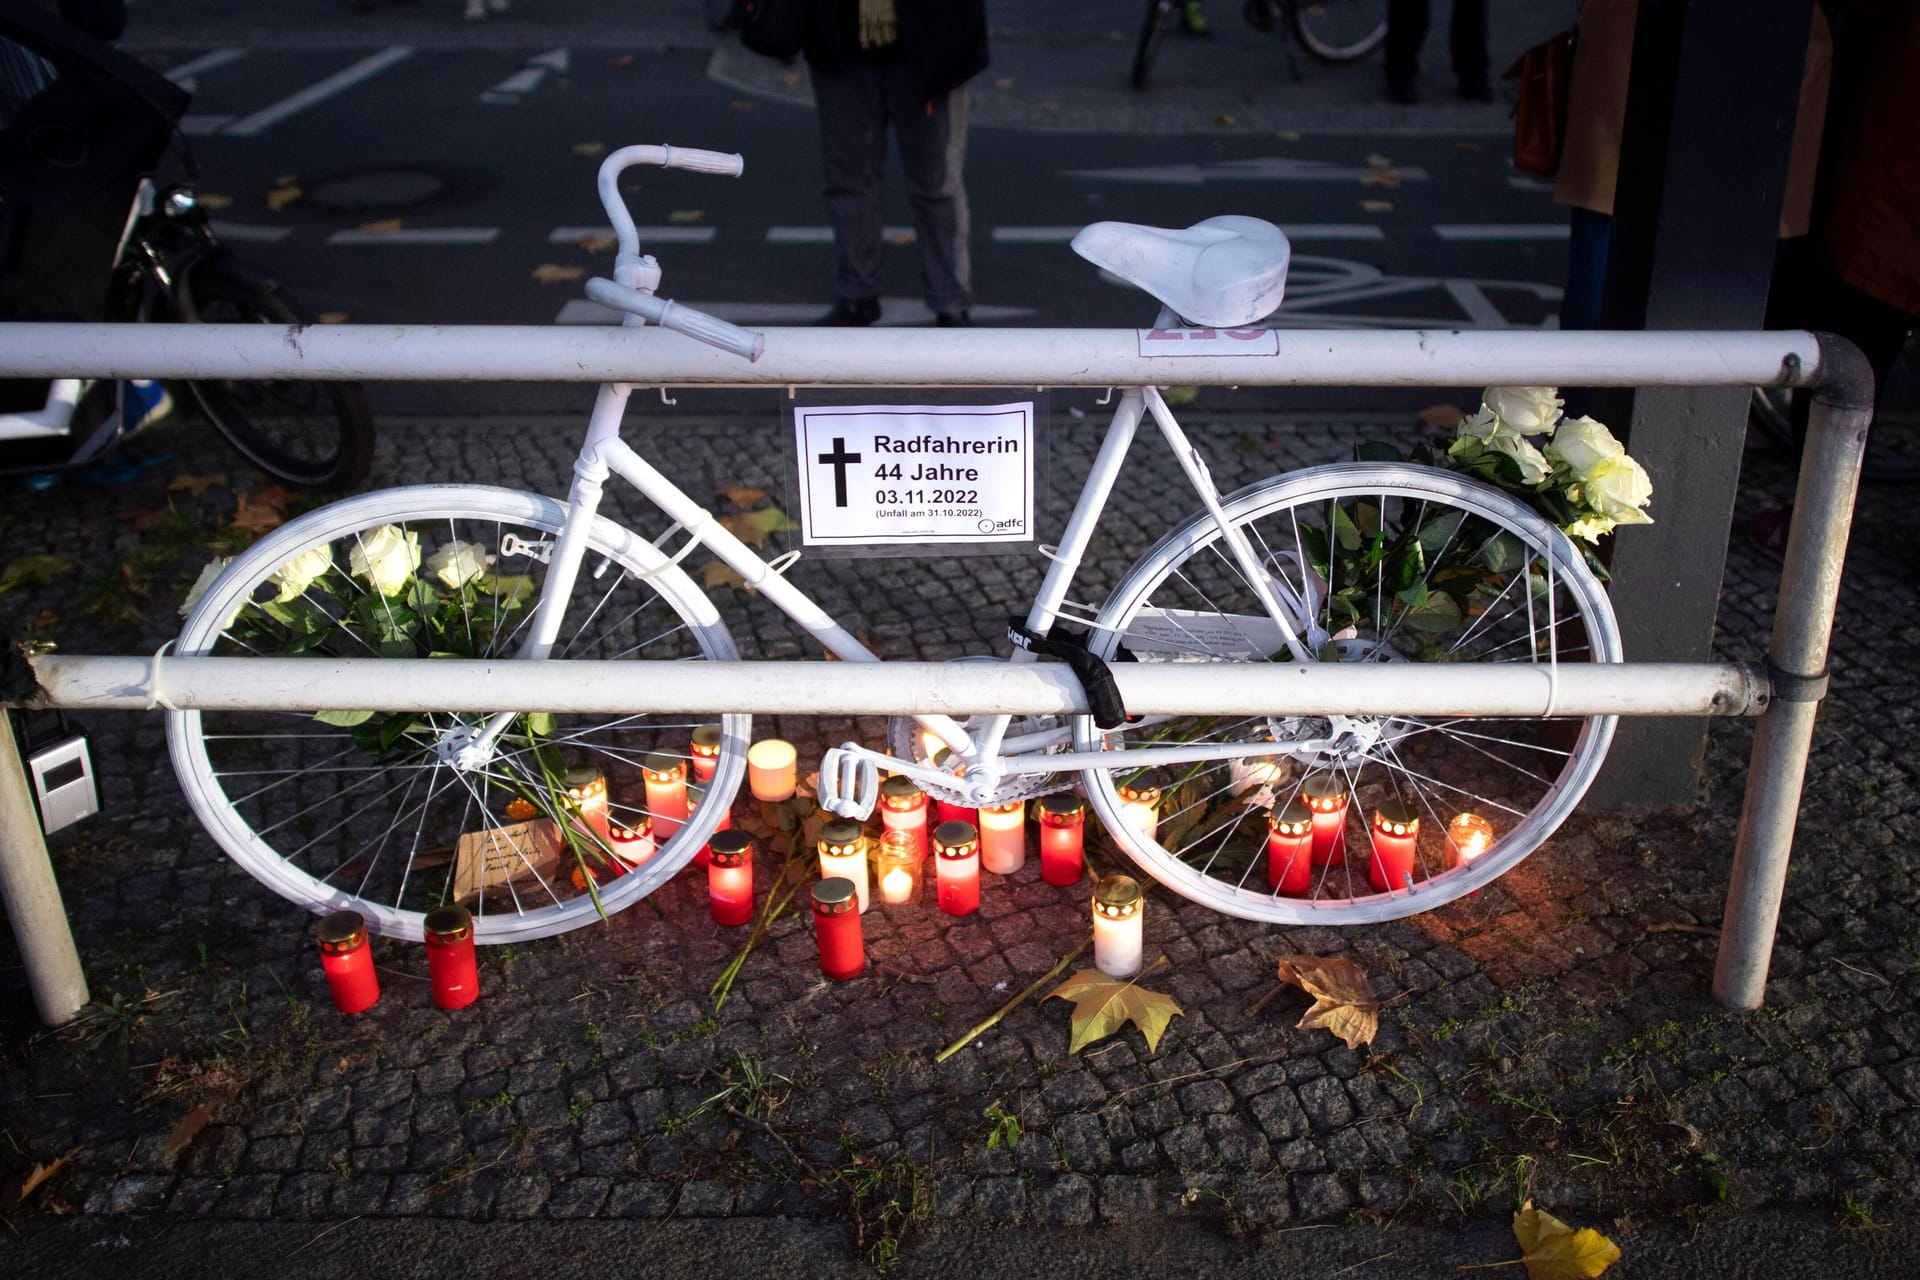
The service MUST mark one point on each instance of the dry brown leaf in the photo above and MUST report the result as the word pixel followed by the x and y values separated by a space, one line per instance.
pixel 1343 1000
pixel 1467 148
pixel 715 574
pixel 682 217
pixel 213 200
pixel 1376 206
pixel 791 80
pixel 741 525
pixel 1552 1250
pixel 260 512
pixel 1004 82
pixel 1442 417
pixel 331 317
pixel 41 1172
pixel 1378 161
pixel 196 485
pixel 598 241
pixel 1225 120
pixel 1381 178
pixel 381 226
pixel 741 495
pixel 554 273
pixel 280 197
pixel 620 61
pixel 187 1130
pixel 589 148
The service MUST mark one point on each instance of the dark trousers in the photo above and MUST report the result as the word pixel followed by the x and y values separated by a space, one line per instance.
pixel 857 105
pixel 1407 22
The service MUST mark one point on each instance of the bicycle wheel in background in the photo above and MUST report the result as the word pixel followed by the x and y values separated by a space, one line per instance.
pixel 306 433
pixel 1162 17
pixel 368 812
pixel 1340 30
pixel 1399 564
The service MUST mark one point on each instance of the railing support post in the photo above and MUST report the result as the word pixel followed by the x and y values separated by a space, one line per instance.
pixel 1797 655
pixel 32 895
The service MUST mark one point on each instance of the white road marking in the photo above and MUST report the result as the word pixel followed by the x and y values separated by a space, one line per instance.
pixel 187 74
pixel 416 236
pixel 824 235
pixel 1267 169
pixel 554 60
pixel 365 69
pixel 1526 182
pixel 522 80
pixel 1500 230
pixel 248 232
pixel 648 235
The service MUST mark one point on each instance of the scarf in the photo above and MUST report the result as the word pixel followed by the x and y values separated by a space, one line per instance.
pixel 878 27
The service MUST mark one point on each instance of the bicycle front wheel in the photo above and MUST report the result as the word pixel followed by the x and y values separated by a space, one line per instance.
pixel 301 432
pixel 1161 17
pixel 384 813
pixel 1394 563
pixel 1340 30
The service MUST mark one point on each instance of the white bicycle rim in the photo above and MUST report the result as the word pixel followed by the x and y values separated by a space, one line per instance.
pixel 1247 895
pixel 200 776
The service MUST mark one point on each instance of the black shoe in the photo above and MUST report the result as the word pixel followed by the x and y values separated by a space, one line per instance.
pixel 1476 89
pixel 953 319
pixel 851 313
pixel 1404 90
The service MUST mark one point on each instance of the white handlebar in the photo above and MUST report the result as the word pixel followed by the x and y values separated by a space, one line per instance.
pixel 698 161
pixel 681 319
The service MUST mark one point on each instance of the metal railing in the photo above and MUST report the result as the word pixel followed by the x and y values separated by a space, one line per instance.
pixel 1785 693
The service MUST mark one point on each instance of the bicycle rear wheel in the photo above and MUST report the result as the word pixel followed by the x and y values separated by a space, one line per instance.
pixel 1161 17
pixel 305 433
pixel 1397 563
pixel 1340 30
pixel 370 812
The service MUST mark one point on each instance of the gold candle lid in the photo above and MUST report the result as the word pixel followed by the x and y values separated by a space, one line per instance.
pixel 1061 805
pixel 341 931
pixel 1116 896
pixel 729 848
pixel 835 895
pixel 840 836
pixel 582 777
pixel 1324 787
pixel 1396 817
pixel 448 924
pixel 706 739
pixel 955 839
pixel 900 788
pixel 1146 785
pixel 662 763
pixel 1292 818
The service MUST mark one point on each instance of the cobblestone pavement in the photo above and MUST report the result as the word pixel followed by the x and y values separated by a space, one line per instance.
pixel 1552 1037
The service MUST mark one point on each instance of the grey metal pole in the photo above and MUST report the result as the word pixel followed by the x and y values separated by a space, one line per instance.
pixel 1797 659
pixel 32 895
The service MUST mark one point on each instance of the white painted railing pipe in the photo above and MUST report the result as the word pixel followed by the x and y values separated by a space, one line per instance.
pixel 896 688
pixel 902 357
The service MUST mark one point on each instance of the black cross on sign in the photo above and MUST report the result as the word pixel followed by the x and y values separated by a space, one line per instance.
pixel 839 460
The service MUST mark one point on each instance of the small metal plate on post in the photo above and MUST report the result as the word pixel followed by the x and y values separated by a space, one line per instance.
pixel 63 783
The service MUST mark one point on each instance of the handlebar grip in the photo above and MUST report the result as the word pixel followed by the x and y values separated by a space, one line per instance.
pixel 696 324
pixel 692 158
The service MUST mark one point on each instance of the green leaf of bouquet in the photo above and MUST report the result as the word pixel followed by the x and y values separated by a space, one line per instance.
pixel 394 726
pixel 1556 507
pixel 1438 613
pixel 540 724
pixel 1319 554
pixel 343 719
pixel 1437 533
pixel 1501 553
pixel 1345 531
pixel 1405 568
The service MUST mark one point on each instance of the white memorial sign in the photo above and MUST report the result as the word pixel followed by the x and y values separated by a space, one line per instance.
pixel 899 475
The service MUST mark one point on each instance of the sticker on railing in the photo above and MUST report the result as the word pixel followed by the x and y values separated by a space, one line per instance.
pixel 893 475
pixel 1208 342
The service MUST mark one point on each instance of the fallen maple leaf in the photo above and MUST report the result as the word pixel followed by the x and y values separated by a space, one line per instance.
pixel 196 485
pixel 554 273
pixel 261 512
pixel 187 1130
pixel 598 241
pixel 741 495
pixel 1552 1250
pixel 620 61
pixel 1343 1000
pixel 32 571
pixel 685 217
pixel 1378 161
pixel 1381 178
pixel 41 1172
pixel 715 574
pixel 381 226
pixel 1376 206
pixel 1442 417
pixel 1104 1005
pixel 280 197
pixel 752 527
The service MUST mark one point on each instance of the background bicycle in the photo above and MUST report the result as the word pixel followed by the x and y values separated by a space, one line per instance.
pixel 1331 30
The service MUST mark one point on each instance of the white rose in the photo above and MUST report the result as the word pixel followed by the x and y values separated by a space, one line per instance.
pixel 1533 465
pixel 459 563
pixel 1583 445
pixel 1589 528
pixel 201 583
pixel 1618 488
pixel 297 574
pixel 1528 410
pixel 386 557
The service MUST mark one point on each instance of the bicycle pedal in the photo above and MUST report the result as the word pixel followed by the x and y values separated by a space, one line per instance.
pixel 849 783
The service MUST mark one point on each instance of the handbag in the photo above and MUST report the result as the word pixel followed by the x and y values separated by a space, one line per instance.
pixel 774 28
pixel 1540 108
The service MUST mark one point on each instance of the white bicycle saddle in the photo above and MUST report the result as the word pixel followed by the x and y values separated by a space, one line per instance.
pixel 1224 272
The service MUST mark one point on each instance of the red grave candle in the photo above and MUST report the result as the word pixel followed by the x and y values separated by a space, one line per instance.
pixel 946 810
pixel 836 928
pixel 903 807
pixel 348 960
pixel 1063 830
pixel 704 749
pixel 956 852
pixel 1326 795
pixel 730 878
pixel 666 782
pixel 1290 849
pixel 587 797
pixel 632 845
pixel 450 959
pixel 1396 842
pixel 697 796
